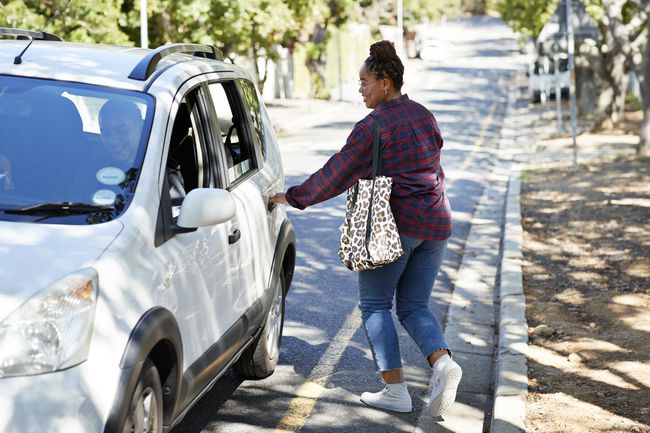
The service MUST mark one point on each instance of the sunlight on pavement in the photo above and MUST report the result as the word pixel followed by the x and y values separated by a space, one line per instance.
pixel 307 396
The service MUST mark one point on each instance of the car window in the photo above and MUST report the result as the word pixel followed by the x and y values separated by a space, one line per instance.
pixel 253 107
pixel 187 167
pixel 238 149
pixel 66 142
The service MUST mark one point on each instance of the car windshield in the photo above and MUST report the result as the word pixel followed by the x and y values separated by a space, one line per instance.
pixel 69 153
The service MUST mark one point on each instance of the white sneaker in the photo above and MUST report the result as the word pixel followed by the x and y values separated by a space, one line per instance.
pixel 447 374
pixel 394 396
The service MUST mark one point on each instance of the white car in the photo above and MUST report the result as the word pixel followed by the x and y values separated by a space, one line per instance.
pixel 131 278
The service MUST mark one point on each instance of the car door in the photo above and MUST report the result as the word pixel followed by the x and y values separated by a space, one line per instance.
pixel 242 165
pixel 268 179
pixel 202 265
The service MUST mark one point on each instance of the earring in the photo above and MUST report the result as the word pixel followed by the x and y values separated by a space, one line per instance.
pixel 385 91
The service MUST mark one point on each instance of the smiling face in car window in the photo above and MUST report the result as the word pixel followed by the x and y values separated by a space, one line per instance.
pixel 121 126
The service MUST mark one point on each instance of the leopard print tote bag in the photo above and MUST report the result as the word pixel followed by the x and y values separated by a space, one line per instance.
pixel 369 236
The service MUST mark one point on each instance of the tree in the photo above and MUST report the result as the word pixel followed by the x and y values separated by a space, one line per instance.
pixel 526 16
pixel 621 24
pixel 251 28
pixel 417 11
pixel 81 21
pixel 475 7
pixel 16 14
pixel 265 25
pixel 314 20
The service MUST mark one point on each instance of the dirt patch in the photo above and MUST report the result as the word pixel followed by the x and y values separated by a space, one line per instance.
pixel 587 278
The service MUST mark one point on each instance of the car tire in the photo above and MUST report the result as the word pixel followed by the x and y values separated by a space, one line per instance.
pixel 145 413
pixel 258 361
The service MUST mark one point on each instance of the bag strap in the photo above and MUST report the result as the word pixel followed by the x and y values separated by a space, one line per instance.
pixel 376 171
pixel 377 164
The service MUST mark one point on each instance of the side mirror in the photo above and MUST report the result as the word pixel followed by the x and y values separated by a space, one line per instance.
pixel 206 207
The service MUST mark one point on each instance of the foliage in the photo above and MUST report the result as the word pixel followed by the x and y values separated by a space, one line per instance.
pixel 251 28
pixel 14 13
pixel 475 7
pixel 81 21
pixel 622 25
pixel 316 18
pixel 418 11
pixel 622 38
pixel 414 11
pixel 526 16
pixel 632 102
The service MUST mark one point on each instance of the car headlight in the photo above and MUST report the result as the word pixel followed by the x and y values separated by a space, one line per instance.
pixel 52 330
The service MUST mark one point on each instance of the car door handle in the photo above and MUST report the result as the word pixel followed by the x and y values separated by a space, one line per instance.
pixel 234 237
pixel 271 206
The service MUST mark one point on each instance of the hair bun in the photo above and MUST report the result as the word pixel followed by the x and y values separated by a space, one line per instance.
pixel 383 51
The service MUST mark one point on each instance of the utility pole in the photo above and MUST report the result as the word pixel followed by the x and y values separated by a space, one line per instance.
pixel 340 62
pixel 558 88
pixel 400 28
pixel 144 29
pixel 572 77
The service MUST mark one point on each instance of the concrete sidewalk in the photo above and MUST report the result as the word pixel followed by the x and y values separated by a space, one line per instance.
pixel 486 324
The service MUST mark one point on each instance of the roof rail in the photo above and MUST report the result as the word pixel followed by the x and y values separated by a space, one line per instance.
pixel 29 34
pixel 146 67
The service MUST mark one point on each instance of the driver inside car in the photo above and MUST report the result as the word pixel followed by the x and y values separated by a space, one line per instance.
pixel 120 123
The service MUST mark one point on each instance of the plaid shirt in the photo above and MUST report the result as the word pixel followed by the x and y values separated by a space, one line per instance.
pixel 411 156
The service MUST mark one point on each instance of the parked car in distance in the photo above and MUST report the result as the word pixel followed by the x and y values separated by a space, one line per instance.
pixel 140 256
pixel 543 82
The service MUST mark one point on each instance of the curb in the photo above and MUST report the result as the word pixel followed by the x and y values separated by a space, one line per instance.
pixel 511 384
pixel 471 323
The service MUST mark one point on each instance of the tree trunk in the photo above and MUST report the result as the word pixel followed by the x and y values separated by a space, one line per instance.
pixel 167 27
pixel 644 133
pixel 611 103
pixel 255 55
pixel 266 74
pixel 643 73
pixel 611 98
pixel 317 72
pixel 603 114
pixel 644 84
pixel 316 63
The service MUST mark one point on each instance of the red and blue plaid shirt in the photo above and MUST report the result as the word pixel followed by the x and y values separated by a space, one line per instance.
pixel 411 144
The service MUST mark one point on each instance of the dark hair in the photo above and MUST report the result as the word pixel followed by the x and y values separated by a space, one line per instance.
pixel 384 62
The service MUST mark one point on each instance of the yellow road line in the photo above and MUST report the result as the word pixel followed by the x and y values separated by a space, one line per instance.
pixel 481 138
pixel 302 405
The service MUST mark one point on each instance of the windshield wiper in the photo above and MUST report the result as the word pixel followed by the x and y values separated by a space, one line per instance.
pixel 59 208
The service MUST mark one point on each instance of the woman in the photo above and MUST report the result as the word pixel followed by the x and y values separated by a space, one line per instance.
pixel 411 156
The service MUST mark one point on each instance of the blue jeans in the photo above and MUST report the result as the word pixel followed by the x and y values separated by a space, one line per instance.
pixel 409 280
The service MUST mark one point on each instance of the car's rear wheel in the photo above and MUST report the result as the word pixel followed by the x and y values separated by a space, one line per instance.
pixel 259 360
pixel 145 408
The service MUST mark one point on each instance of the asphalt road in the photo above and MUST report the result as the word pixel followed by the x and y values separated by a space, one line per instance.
pixel 325 361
